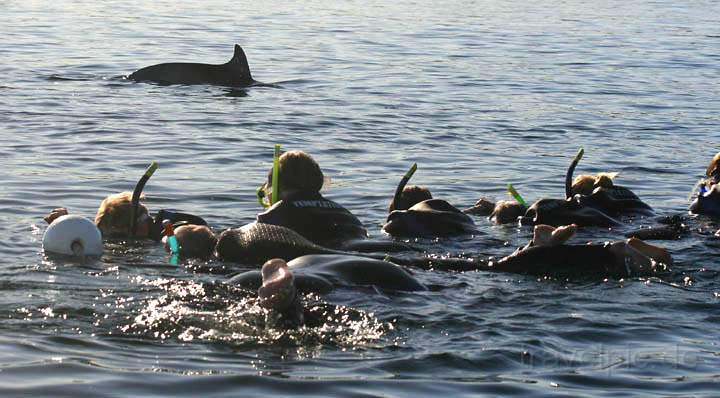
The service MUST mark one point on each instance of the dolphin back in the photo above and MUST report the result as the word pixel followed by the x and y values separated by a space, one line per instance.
pixel 233 73
pixel 239 65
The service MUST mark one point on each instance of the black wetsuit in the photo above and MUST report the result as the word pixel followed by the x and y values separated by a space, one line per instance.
pixel 614 201
pixel 317 219
pixel 176 218
pixel 584 261
pixel 558 212
pixel 429 218
pixel 594 260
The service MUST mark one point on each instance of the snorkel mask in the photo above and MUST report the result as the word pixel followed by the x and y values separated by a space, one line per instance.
pixel 261 192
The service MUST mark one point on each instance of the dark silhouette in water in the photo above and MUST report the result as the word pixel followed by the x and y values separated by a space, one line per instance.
pixel 234 73
pixel 429 218
pixel 322 272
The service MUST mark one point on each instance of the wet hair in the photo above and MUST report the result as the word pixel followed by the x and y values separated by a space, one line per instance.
pixel 409 197
pixel 585 184
pixel 197 241
pixel 298 171
pixel 113 215
pixel 507 211
pixel 713 166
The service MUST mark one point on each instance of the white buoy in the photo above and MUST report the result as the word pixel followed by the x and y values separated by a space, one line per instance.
pixel 73 235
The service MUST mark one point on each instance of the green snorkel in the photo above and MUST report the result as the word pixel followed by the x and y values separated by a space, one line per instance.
pixel 570 171
pixel 516 195
pixel 136 196
pixel 260 192
pixel 403 182
pixel 275 174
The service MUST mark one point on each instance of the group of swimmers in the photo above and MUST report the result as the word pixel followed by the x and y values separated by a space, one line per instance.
pixel 299 221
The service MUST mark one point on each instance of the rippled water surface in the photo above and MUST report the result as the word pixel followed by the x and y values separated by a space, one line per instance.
pixel 479 93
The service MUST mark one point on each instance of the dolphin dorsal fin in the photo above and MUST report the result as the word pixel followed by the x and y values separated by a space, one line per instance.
pixel 240 64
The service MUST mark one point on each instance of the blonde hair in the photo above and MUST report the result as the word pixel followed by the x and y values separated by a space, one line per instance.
pixel 300 171
pixel 113 215
pixel 585 184
pixel 712 167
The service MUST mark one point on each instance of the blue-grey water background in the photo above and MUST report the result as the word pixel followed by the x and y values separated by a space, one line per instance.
pixel 479 93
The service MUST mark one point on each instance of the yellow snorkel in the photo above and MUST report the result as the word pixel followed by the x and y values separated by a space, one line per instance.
pixel 516 195
pixel 260 192
pixel 275 174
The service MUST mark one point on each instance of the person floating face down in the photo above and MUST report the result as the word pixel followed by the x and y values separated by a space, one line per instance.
pixel 707 201
pixel 302 208
pixel 414 213
pixel 114 215
pixel 547 254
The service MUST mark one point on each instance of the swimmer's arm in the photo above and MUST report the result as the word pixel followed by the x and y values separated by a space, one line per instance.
pixel 54 214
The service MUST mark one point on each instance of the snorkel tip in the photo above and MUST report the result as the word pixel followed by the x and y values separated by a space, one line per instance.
pixel 580 154
pixel 151 169
pixel 411 171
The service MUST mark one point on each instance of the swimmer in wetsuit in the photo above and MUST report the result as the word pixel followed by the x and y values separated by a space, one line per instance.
pixel 303 209
pixel 114 215
pixel 707 201
pixel 547 254
pixel 589 201
pixel 414 213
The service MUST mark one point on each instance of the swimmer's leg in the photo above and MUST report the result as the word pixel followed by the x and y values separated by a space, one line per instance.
pixel 634 261
pixel 657 253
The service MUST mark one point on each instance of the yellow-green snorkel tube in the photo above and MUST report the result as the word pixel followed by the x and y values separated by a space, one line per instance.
pixel 260 192
pixel 275 175
pixel 516 195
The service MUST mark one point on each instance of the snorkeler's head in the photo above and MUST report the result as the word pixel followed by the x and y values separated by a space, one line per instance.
pixel 113 216
pixel 196 241
pixel 713 170
pixel 298 171
pixel 585 184
pixel 409 197
pixel 507 211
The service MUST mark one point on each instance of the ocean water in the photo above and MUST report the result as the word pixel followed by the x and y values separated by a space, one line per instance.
pixel 478 93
